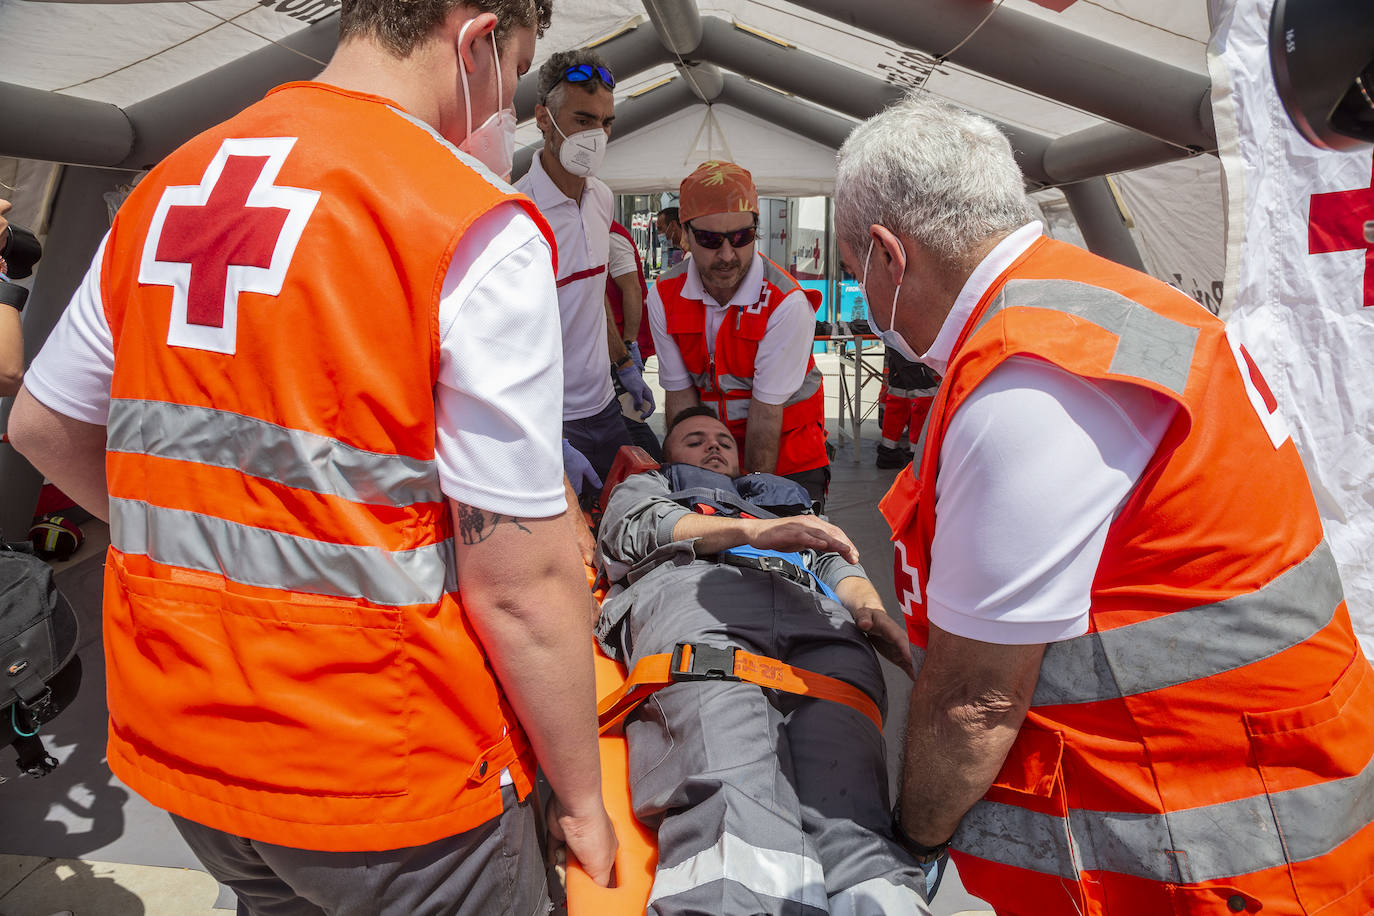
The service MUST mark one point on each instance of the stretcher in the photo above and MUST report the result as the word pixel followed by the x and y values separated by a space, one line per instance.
pixel 637 857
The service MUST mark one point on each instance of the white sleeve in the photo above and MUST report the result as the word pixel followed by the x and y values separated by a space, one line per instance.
pixel 1033 468
pixel 72 372
pixel 624 259
pixel 780 365
pixel 672 371
pixel 498 403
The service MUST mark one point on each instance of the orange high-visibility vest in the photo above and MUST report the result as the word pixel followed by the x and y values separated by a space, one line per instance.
pixel 726 383
pixel 288 656
pixel 1208 745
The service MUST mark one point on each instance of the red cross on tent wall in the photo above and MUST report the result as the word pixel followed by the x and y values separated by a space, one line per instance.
pixel 235 232
pixel 1344 221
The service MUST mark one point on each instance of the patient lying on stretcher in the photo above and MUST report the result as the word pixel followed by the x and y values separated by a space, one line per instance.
pixel 764 801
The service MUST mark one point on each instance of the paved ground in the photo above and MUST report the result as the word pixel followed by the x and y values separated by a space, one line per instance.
pixel 77 841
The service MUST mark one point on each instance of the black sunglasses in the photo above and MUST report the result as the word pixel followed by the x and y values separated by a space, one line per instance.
pixel 583 72
pixel 713 240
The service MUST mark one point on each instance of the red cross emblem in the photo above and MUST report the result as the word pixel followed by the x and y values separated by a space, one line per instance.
pixel 1344 221
pixel 235 232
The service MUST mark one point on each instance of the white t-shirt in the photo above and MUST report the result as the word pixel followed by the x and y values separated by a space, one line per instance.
pixel 779 366
pixel 583 231
pixel 624 259
pixel 498 445
pixel 1034 467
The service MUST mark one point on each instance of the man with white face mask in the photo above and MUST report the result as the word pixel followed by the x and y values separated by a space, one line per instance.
pixel 346 620
pixel 574 113
pixel 1122 608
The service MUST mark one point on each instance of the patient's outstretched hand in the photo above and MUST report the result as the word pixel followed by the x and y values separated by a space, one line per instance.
pixel 887 636
pixel 801 532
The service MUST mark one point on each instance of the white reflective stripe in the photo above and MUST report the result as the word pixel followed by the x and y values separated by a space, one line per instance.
pixel 783 875
pixel 273 559
pixel 298 459
pixel 878 897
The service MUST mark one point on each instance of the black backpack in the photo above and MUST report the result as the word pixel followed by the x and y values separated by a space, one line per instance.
pixel 39 670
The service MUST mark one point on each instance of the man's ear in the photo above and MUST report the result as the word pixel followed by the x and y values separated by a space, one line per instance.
pixel 468 31
pixel 542 115
pixel 888 253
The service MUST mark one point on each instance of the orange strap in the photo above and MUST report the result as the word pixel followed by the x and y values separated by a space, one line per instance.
pixel 708 663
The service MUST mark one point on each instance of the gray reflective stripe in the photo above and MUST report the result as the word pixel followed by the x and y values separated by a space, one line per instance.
pixel 272 559
pixel 1192 644
pixel 1189 846
pixel 485 173
pixel 772 872
pixel 809 386
pixel 736 383
pixel 305 461
pixel 736 409
pixel 919 448
pixel 775 275
pixel 1149 346
pixel 702 380
pixel 1195 643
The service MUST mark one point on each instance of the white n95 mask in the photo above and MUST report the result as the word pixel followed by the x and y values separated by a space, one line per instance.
pixel 583 152
pixel 492 144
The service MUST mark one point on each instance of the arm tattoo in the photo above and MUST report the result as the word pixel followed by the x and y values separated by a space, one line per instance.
pixel 474 528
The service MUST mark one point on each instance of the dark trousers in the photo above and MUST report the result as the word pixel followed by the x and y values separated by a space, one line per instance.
pixel 817 484
pixel 598 438
pixel 494 868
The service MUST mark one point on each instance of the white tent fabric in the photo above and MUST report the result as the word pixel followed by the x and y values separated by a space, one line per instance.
pixel 1175 210
pixel 658 157
pixel 125 52
pixel 1302 311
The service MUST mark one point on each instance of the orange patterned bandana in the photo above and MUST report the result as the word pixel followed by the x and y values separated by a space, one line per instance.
pixel 717 187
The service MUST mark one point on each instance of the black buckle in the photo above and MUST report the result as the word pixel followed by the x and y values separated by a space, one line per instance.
pixel 40 709
pixel 709 663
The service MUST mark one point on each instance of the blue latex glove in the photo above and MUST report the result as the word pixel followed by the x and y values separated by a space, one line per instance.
pixel 580 472
pixel 935 873
pixel 634 355
pixel 633 381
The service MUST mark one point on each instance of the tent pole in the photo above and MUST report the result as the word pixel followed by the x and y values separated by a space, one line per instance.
pixel 1102 223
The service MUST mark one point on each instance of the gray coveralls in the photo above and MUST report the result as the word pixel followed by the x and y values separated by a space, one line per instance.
pixel 764 802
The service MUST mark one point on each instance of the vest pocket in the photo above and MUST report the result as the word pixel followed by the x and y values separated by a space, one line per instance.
pixel 299 696
pixel 1317 764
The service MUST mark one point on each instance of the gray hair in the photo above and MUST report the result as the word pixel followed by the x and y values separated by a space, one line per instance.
pixel 928 170
pixel 553 87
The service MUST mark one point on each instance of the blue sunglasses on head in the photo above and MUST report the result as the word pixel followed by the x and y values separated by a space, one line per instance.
pixel 583 72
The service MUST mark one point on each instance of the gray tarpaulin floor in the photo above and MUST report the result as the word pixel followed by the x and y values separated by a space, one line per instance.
pixel 78 840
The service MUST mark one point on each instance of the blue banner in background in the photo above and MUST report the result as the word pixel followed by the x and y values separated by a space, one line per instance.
pixel 852 303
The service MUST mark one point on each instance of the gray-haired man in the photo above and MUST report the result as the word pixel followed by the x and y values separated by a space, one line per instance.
pixel 1136 657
